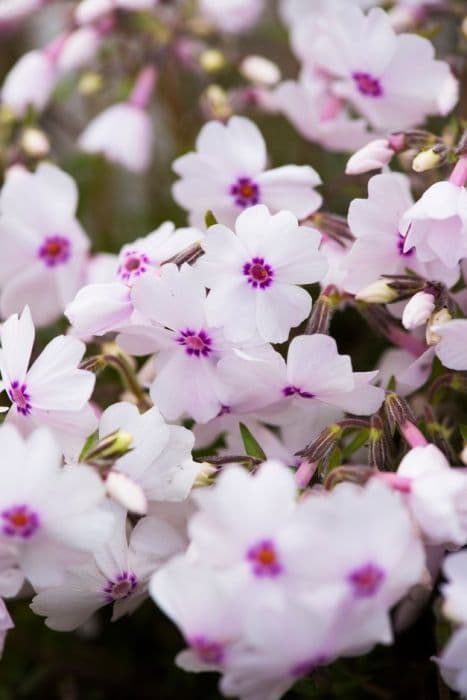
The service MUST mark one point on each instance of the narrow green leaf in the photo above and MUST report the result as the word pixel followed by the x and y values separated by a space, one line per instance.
pixel 252 446
pixel 209 219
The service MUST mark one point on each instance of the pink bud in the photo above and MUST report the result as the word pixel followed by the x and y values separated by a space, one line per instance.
pixel 418 310
pixel 373 156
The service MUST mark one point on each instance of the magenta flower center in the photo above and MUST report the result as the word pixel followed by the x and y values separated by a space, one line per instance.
pixel 19 521
pixel 207 650
pixel 292 390
pixel 19 395
pixel 133 265
pixel 121 587
pixel 264 559
pixel 55 250
pixel 258 273
pixel 366 581
pixel 367 84
pixel 196 343
pixel 245 192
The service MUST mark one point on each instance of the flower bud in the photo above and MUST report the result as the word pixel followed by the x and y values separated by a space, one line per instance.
pixel 260 71
pixel 90 83
pixel 127 492
pixel 373 156
pixel 397 411
pixel 426 160
pixel 35 143
pixel 206 474
pixel 464 454
pixel 323 445
pixel 216 102
pixel 379 292
pixel 212 60
pixel 464 26
pixel 111 447
pixel 378 452
pixel 437 319
pixel 418 310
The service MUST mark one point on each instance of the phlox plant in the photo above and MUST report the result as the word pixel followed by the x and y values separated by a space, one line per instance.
pixel 233 349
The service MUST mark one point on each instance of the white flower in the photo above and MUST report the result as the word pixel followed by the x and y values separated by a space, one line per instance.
pixel 256 272
pixel 53 392
pixel 373 156
pixel 452 663
pixel 260 70
pixel 227 174
pixel 418 310
pixel 49 514
pixel 44 248
pixel 451 347
pixel 6 623
pixel 79 49
pixel 118 574
pixel 159 460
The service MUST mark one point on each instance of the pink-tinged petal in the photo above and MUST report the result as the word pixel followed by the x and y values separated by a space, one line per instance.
pixel 17 339
pixel 240 326
pixel 67 607
pixel 291 187
pixel 313 364
pixel 365 399
pixel 239 142
pixel 452 348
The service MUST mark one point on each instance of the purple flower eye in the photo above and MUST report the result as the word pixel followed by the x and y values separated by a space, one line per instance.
pixel 133 264
pixel 55 250
pixel 258 273
pixel 19 521
pixel 197 343
pixel 121 587
pixel 245 192
pixel 19 395
pixel 207 650
pixel 264 559
pixel 366 580
pixel 367 84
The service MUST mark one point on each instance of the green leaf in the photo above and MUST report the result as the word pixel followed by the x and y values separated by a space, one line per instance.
pixel 252 446
pixel 209 219
pixel 358 441
pixel 90 442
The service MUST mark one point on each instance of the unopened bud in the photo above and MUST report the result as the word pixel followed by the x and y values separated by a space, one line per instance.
pixel 437 319
pixel 212 60
pixel 111 447
pixel 397 411
pixel 373 156
pixel 320 318
pixel 378 452
pixel 206 474
pixel 379 292
pixel 426 160
pixel 90 83
pixel 418 310
pixel 464 26
pixel 323 445
pixel 127 492
pixel 217 102
pixel 260 71
pixel 34 142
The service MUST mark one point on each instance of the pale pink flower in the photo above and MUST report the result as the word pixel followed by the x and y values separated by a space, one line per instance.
pixel 53 392
pixel 436 225
pixel 49 514
pixel 452 346
pixel 189 347
pixel 117 574
pixel 380 246
pixel 366 572
pixel 409 371
pixel 452 662
pixel 314 374
pixel 79 49
pixel 105 305
pixel 257 271
pixel 44 248
pixel 454 591
pixel 29 83
pixel 123 133
pixel 392 80
pixel 318 115
pixel 159 458
pixel 6 623
pixel 227 174
pixel 436 495
pixel 12 11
